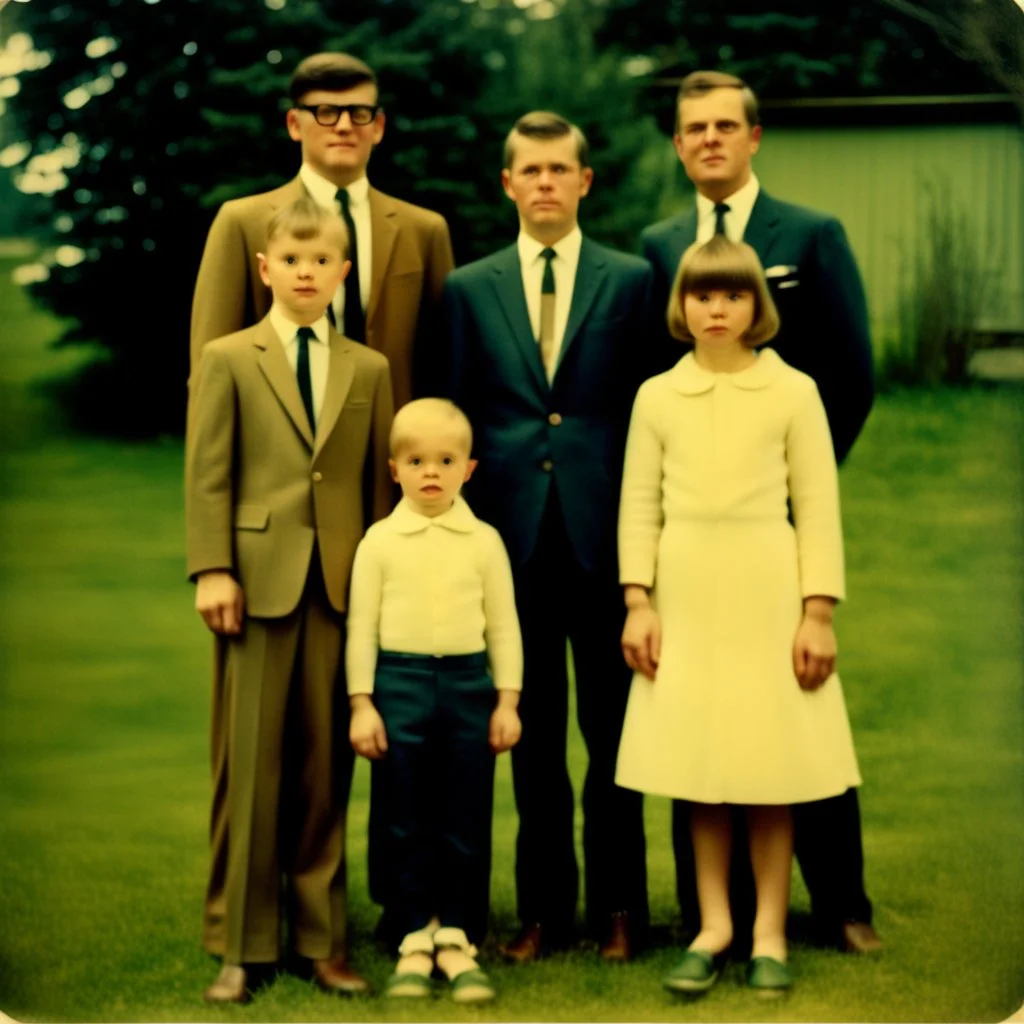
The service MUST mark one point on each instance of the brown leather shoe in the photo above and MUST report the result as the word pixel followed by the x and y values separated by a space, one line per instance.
pixel 860 937
pixel 229 986
pixel 618 947
pixel 528 945
pixel 335 975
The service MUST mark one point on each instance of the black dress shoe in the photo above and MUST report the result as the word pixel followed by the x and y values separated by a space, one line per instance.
pixel 618 945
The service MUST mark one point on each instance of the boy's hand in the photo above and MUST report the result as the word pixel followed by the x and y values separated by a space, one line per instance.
pixel 366 729
pixel 505 729
pixel 641 640
pixel 814 646
pixel 220 601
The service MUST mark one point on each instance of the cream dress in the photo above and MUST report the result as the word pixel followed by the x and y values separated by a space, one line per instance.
pixel 710 462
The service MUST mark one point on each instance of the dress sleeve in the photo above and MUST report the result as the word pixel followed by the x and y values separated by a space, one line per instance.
pixel 501 629
pixel 363 628
pixel 814 495
pixel 640 510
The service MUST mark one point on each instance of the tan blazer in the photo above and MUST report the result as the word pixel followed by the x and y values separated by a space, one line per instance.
pixel 259 489
pixel 412 255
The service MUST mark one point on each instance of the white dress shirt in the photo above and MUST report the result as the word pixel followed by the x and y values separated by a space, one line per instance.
pixel 319 351
pixel 325 194
pixel 432 585
pixel 563 266
pixel 740 203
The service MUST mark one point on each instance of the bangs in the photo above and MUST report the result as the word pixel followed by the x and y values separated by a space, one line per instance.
pixel 721 264
pixel 730 279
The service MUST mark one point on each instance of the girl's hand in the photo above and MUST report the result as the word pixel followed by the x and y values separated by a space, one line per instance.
pixel 814 647
pixel 366 730
pixel 505 729
pixel 641 640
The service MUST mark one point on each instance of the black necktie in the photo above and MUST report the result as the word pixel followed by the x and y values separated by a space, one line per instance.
pixel 721 209
pixel 355 322
pixel 304 376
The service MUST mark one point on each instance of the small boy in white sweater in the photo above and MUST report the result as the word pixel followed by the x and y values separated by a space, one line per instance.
pixel 434 665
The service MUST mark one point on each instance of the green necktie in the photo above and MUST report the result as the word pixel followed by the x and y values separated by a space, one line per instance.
pixel 355 322
pixel 547 314
pixel 303 374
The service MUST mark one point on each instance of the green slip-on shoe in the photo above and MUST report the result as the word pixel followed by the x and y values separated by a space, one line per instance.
pixel 472 986
pixel 408 986
pixel 768 975
pixel 696 972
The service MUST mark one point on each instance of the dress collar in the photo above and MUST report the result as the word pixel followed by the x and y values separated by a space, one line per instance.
pixel 688 377
pixel 459 518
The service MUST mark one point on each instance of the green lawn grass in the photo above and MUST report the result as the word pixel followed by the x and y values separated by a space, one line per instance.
pixel 103 755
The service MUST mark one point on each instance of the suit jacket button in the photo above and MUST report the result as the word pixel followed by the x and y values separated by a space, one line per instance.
pixel 555 419
pixel 547 465
pixel 317 476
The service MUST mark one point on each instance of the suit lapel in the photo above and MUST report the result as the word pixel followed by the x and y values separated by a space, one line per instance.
pixel 508 283
pixel 590 275
pixel 384 232
pixel 281 377
pixel 760 231
pixel 686 230
pixel 341 371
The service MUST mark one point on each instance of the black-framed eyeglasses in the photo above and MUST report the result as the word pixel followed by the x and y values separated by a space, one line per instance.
pixel 328 114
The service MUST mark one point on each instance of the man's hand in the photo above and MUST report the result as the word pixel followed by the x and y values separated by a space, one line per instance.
pixel 366 729
pixel 641 636
pixel 220 601
pixel 814 646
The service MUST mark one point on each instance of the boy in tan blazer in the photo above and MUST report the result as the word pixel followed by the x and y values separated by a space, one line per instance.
pixel 402 254
pixel 286 466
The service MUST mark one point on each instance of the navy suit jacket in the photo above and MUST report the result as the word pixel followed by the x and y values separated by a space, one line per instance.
pixel 570 435
pixel 817 288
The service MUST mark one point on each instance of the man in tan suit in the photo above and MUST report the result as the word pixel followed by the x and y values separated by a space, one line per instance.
pixel 402 253
pixel 286 466
pixel 401 257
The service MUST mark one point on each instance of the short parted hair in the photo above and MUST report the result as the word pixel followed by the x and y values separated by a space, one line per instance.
pixel 305 219
pixel 700 83
pixel 335 72
pixel 425 418
pixel 543 124
pixel 732 266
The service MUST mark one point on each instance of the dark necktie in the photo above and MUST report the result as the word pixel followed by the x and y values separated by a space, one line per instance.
pixel 547 314
pixel 721 209
pixel 355 322
pixel 304 376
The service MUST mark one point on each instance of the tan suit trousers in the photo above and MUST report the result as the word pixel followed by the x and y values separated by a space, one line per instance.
pixel 284 741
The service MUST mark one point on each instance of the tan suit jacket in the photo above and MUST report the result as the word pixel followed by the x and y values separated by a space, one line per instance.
pixel 412 255
pixel 259 488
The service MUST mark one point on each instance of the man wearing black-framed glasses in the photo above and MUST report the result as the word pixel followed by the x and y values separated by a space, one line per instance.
pixel 400 255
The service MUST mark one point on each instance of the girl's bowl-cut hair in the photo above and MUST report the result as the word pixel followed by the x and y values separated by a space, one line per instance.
pixel 732 266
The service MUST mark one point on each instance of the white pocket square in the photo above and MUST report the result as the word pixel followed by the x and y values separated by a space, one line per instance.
pixel 780 271
pixel 788 284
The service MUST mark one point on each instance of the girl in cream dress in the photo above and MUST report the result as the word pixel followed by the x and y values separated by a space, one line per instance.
pixel 735 698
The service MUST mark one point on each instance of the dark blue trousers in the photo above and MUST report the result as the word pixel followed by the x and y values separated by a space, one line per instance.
pixel 437 783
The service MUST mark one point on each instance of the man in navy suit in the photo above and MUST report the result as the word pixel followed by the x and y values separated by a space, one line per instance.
pixel 817 288
pixel 549 342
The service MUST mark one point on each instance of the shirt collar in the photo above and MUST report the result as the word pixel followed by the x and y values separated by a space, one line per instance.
pixel 688 377
pixel 459 518
pixel 740 203
pixel 567 248
pixel 325 192
pixel 287 329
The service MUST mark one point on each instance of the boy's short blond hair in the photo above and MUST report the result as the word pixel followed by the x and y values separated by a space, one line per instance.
pixel 305 219
pixel 427 416
pixel 734 266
